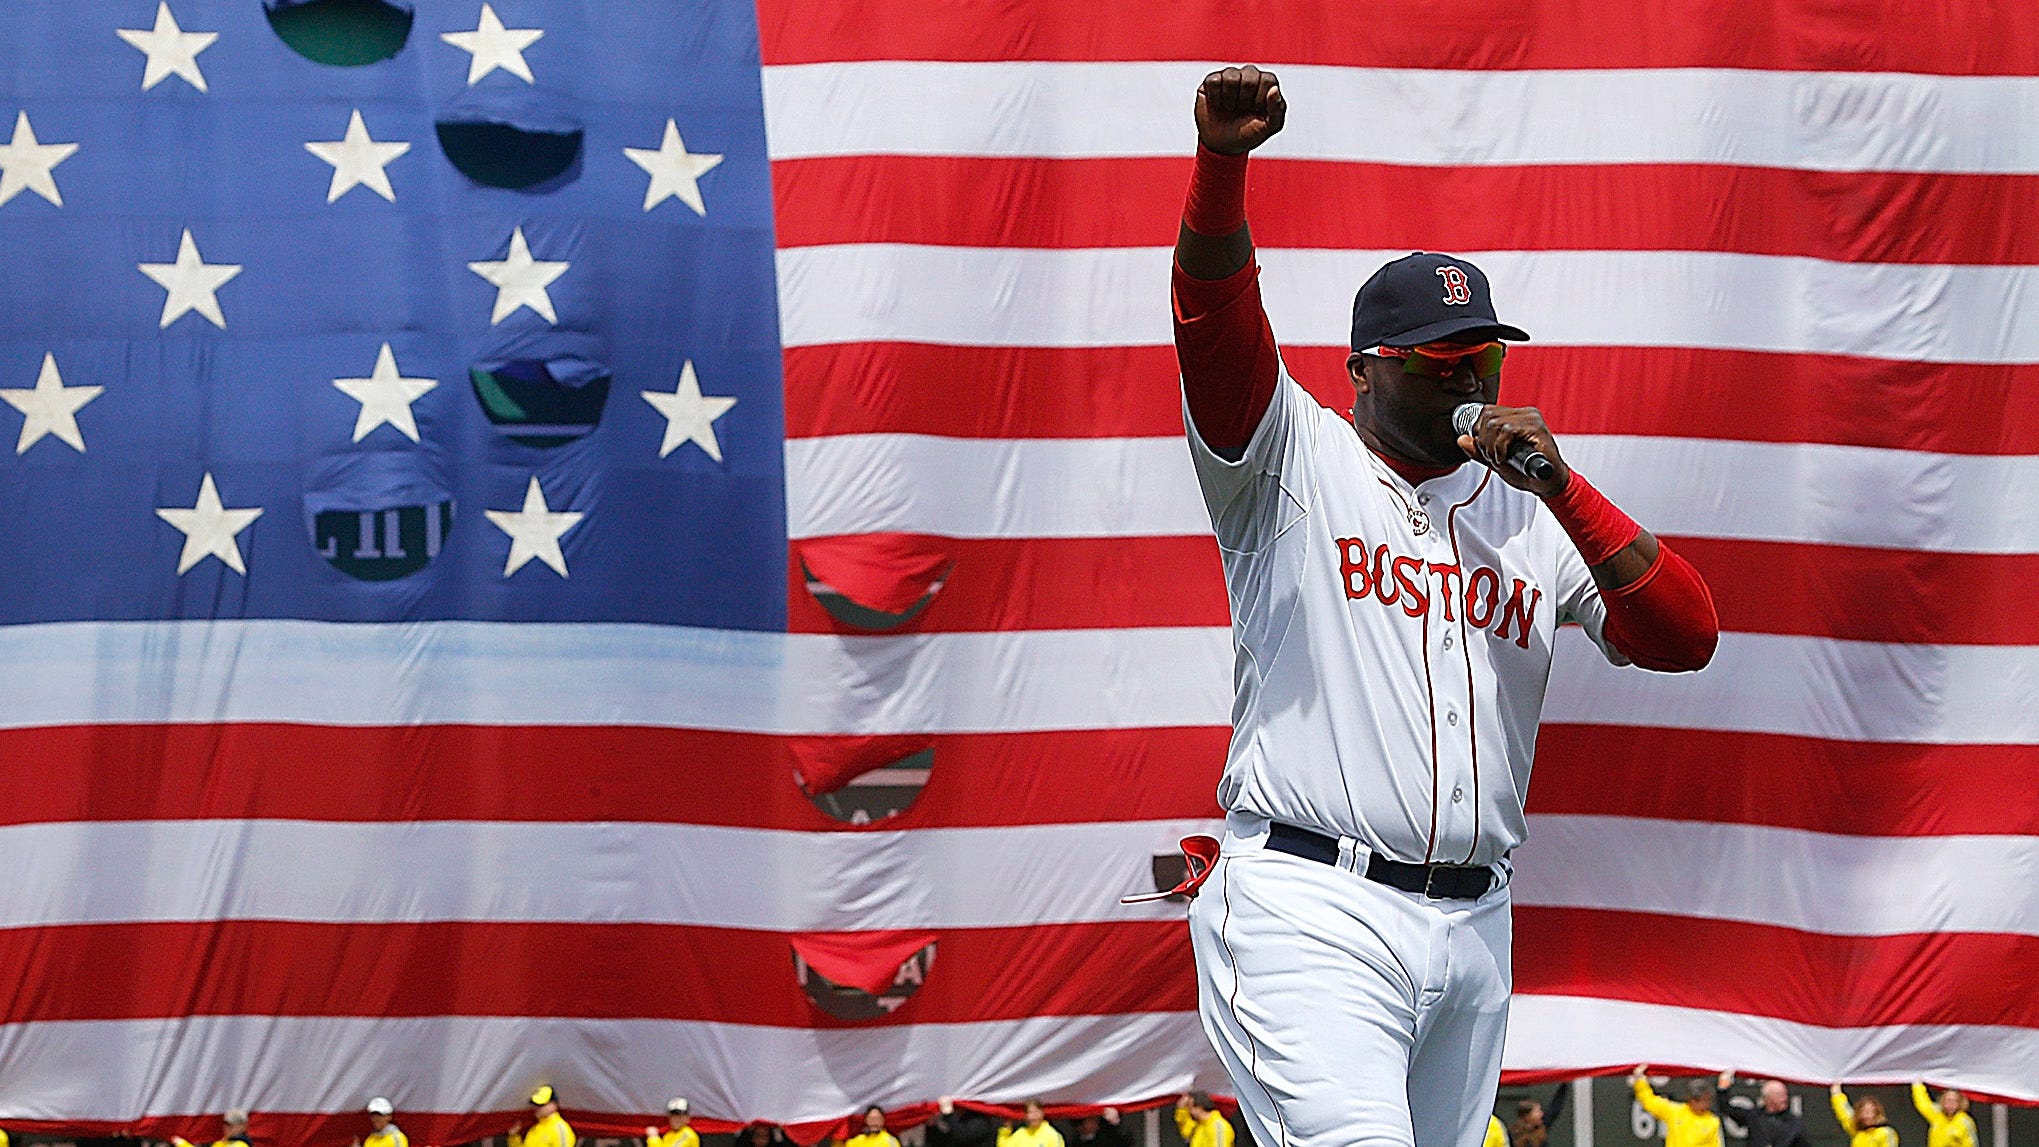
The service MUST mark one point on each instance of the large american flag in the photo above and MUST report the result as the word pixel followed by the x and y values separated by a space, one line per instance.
pixel 469 763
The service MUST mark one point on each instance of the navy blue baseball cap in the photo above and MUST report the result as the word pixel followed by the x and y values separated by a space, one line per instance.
pixel 1425 297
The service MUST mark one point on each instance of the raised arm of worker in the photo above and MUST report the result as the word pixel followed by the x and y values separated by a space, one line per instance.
pixel 1655 1104
pixel 1222 339
pixel 1843 1110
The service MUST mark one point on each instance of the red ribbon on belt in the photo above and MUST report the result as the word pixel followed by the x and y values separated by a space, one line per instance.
pixel 1199 854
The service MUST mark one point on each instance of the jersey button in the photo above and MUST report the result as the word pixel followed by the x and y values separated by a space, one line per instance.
pixel 1451 718
pixel 1457 795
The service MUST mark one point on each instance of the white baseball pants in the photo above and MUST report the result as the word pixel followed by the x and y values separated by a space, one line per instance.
pixel 1348 1012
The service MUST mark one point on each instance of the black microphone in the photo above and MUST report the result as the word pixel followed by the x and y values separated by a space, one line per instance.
pixel 1524 455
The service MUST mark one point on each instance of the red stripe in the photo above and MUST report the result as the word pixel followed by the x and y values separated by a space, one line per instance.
pixel 1791 35
pixel 1857 788
pixel 1751 396
pixel 1860 594
pixel 1133 392
pixel 1788 588
pixel 1760 969
pixel 1056 583
pixel 646 971
pixel 583 774
pixel 1849 216
pixel 104 972
pixel 983 392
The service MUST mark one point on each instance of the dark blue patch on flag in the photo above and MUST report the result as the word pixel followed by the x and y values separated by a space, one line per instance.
pixel 360 522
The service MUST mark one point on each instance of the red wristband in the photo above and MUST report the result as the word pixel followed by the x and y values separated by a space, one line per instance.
pixel 1217 194
pixel 1597 526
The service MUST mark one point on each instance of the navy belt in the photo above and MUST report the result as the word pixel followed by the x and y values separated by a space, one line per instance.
pixel 1437 881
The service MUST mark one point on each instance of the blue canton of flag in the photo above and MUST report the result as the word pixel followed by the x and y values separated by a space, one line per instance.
pixel 477 324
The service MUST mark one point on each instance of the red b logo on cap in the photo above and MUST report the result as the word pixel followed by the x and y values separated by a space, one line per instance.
pixel 1456 290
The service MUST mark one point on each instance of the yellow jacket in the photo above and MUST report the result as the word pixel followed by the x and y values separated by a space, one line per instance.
pixel 389 1136
pixel 1861 1136
pixel 1211 1131
pixel 1683 1127
pixel 1944 1130
pixel 550 1131
pixel 1023 1136
pixel 676 1137
pixel 871 1139
pixel 1497 1135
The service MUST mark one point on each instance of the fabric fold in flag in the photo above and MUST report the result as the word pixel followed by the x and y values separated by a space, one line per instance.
pixel 867 961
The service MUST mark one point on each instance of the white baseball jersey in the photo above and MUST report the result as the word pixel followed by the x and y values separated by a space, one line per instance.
pixel 1392 643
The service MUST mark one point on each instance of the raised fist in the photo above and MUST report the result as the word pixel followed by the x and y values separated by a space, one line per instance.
pixel 1238 109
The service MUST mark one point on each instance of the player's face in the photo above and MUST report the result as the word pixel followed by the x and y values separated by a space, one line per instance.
pixel 1409 415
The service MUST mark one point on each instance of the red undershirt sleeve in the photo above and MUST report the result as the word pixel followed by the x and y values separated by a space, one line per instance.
pixel 1663 620
pixel 1227 355
pixel 1223 343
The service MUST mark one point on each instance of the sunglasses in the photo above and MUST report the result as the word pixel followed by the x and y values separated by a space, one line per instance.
pixel 1442 360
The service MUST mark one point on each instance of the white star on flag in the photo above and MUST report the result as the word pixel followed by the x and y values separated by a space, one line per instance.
pixel 494 46
pixel 50 408
pixel 358 160
pixel 209 529
pixel 172 50
pixel 385 396
pixel 520 280
pixel 26 163
pixel 534 531
pixel 690 415
pixel 673 170
pixel 191 283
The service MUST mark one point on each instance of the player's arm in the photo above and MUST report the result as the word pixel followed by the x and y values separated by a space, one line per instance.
pixel 1660 614
pixel 1222 339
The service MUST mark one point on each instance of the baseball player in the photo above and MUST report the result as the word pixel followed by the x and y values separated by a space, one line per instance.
pixel 1396 587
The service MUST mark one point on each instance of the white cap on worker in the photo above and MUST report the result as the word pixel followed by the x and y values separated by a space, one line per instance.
pixel 676 1106
pixel 381 1106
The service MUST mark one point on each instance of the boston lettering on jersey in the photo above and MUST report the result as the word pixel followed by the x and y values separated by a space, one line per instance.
pixel 1413 584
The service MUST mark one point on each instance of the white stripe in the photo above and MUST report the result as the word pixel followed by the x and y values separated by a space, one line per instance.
pixel 1117 296
pixel 974 296
pixel 84 872
pixel 1820 121
pixel 126 1069
pixel 1145 487
pixel 87 673
pixel 1810 881
pixel 1828 495
pixel 992 488
pixel 1814 687
pixel 83 673
pixel 1546 1032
